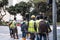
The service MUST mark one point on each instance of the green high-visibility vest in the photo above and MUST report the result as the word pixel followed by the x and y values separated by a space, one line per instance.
pixel 31 26
pixel 13 24
pixel 37 24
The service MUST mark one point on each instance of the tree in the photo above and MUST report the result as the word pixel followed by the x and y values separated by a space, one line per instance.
pixel 1 16
pixel 5 2
pixel 21 7
pixel 58 11
pixel 12 10
pixel 2 4
pixel 50 1
pixel 35 12
pixel 41 6
pixel 29 5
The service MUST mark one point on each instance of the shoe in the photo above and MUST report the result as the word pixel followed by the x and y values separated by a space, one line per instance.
pixel 23 38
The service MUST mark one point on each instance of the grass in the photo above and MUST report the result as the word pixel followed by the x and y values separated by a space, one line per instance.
pixel 39 1
pixel 2 23
pixel 58 23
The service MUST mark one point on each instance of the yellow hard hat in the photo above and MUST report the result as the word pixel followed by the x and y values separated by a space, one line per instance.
pixel 33 16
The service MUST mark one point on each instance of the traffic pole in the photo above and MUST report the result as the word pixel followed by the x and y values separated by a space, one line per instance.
pixel 54 15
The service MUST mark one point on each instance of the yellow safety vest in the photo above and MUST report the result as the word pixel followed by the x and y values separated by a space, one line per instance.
pixel 31 26
pixel 13 25
pixel 37 24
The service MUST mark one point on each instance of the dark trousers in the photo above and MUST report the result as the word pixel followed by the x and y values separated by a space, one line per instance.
pixel 11 32
pixel 23 34
pixel 32 36
pixel 15 32
pixel 37 36
pixel 42 35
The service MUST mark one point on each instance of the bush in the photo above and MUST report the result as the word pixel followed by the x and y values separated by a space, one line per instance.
pixel 3 23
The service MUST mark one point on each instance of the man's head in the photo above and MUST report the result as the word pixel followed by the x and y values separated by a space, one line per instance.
pixel 38 17
pixel 41 17
pixel 24 19
pixel 45 18
pixel 14 18
pixel 33 17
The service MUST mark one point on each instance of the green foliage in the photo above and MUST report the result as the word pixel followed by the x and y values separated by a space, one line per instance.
pixel 36 1
pixel 24 7
pixel 21 7
pixel 3 23
pixel 42 6
pixel 11 10
pixel 28 6
pixel 35 12
pixel 58 11
pixel 3 3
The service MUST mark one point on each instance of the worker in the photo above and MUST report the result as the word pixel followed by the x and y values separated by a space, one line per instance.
pixel 13 29
pixel 10 28
pixel 49 29
pixel 24 29
pixel 43 28
pixel 32 27
pixel 37 25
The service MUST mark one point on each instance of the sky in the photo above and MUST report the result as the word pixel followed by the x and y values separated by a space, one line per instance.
pixel 13 2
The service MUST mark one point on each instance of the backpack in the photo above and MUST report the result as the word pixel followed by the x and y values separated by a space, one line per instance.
pixel 43 27
pixel 24 27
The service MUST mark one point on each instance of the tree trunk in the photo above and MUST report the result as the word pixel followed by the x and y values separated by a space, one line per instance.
pixel 4 14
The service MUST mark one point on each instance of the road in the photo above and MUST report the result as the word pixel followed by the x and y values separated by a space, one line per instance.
pixel 4 33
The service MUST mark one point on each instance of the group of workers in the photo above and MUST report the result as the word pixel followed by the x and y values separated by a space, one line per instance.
pixel 36 28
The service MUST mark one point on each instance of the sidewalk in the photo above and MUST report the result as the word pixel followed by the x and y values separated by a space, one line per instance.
pixel 4 33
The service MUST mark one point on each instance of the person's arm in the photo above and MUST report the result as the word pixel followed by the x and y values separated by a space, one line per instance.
pixel 27 26
pixel 48 25
pixel 35 26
